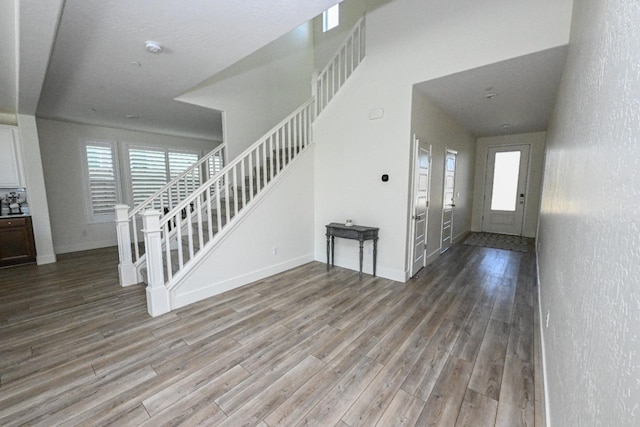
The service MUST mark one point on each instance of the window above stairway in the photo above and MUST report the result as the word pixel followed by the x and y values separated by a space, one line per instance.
pixel 331 18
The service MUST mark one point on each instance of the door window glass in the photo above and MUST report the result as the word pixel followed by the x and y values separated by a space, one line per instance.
pixel 505 181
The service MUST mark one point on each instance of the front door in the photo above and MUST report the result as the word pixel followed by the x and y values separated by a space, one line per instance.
pixel 447 199
pixel 422 166
pixel 505 189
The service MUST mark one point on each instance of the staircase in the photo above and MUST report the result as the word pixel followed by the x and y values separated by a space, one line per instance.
pixel 164 239
pixel 129 222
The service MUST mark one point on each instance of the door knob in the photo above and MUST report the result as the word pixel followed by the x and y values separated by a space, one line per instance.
pixel 417 217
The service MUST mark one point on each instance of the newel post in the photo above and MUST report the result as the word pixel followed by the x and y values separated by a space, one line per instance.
pixel 157 293
pixel 126 269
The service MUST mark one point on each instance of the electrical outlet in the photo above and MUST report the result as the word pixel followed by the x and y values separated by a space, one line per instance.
pixel 275 250
pixel 546 322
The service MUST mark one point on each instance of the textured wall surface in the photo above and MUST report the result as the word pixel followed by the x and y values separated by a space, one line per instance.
pixel 589 236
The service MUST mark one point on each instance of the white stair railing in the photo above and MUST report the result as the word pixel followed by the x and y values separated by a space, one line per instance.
pixel 174 191
pixel 338 70
pixel 196 222
pixel 166 198
pixel 183 235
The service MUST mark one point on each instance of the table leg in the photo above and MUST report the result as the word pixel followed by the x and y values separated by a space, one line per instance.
pixel 361 245
pixel 375 255
pixel 327 251
pixel 333 249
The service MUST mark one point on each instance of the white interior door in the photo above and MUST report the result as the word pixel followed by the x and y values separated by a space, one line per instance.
pixel 448 199
pixel 421 180
pixel 505 189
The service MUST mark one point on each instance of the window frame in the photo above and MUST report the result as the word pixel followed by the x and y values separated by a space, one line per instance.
pixel 164 149
pixel 327 18
pixel 92 216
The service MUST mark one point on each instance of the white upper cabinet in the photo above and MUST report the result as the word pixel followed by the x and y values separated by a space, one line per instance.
pixel 11 171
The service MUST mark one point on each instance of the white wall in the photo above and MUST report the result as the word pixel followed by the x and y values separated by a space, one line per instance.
pixel 282 219
pixel 259 91
pixel 442 132
pixel 534 181
pixel 409 41
pixel 589 235
pixel 61 147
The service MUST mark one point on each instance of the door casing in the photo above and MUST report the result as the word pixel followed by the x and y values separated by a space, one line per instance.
pixel 448 199
pixel 420 195
pixel 506 222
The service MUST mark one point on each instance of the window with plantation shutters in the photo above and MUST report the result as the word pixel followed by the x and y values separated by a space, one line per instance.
pixel 148 172
pixel 152 168
pixel 178 163
pixel 102 180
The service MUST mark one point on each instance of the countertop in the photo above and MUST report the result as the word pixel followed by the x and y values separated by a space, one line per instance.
pixel 14 216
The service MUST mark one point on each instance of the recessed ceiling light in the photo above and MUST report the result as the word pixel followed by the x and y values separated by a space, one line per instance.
pixel 135 64
pixel 505 125
pixel 152 47
pixel 490 95
pixel 131 116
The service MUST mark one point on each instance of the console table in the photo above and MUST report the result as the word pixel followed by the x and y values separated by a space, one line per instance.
pixel 354 232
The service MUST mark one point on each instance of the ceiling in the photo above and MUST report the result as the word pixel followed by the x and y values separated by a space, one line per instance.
pixel 85 61
pixel 98 70
pixel 508 97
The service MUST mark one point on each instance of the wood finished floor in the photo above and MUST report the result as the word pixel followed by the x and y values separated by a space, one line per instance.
pixel 454 347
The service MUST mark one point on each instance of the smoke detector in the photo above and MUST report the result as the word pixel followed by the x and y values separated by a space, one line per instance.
pixel 152 47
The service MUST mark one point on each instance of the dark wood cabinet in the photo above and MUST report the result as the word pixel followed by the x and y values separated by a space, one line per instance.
pixel 16 241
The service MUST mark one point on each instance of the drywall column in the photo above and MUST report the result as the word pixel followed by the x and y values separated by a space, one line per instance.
pixel 36 191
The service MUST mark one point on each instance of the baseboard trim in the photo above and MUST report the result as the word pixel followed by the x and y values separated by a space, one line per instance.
pixel 77 247
pixel 45 259
pixel 353 264
pixel 543 351
pixel 212 289
pixel 432 256
pixel 461 237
